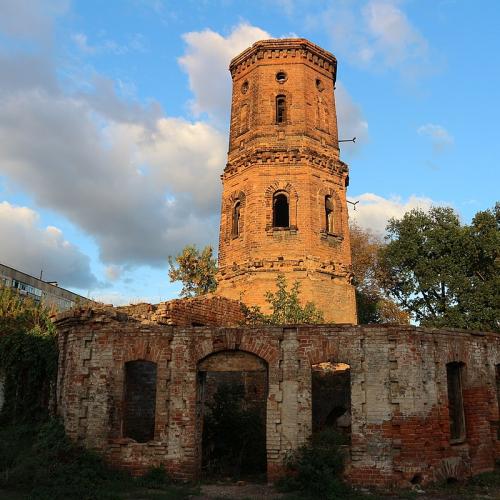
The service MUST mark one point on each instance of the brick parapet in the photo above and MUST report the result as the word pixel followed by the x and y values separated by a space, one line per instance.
pixel 400 424
pixel 281 49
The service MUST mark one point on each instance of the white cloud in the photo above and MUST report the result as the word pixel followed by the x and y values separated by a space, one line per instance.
pixel 81 42
pixel 88 170
pixel 373 211
pixel 375 34
pixel 391 34
pixel 104 45
pixel 30 248
pixel 206 62
pixel 439 136
pixel 32 19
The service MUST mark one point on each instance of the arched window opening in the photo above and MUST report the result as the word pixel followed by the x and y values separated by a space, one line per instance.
pixel 281 210
pixel 331 398
pixel 280 109
pixel 236 219
pixel 329 215
pixel 140 401
pixel 455 401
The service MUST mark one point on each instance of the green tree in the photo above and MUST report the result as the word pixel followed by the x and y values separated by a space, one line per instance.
pixel 442 272
pixel 195 269
pixel 373 306
pixel 28 357
pixel 285 306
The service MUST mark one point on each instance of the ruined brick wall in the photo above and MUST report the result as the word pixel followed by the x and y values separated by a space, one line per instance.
pixel 299 158
pixel 196 311
pixel 400 429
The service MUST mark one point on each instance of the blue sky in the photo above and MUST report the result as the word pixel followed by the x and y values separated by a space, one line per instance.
pixel 114 116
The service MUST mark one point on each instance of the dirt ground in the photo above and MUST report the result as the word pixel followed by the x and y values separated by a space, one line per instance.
pixel 252 491
pixel 240 490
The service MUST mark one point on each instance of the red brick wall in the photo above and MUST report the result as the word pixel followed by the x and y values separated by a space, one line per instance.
pixel 400 425
pixel 197 311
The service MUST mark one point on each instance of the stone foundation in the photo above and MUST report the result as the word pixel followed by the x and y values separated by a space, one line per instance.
pixel 400 420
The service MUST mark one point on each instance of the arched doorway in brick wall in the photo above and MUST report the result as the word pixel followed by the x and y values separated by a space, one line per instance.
pixel 232 391
pixel 331 398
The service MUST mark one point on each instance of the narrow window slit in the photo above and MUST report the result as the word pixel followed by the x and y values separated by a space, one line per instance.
pixel 280 109
pixel 236 219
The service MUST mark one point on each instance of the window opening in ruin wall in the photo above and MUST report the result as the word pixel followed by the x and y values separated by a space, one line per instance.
pixel 140 400
pixel 455 402
pixel 331 398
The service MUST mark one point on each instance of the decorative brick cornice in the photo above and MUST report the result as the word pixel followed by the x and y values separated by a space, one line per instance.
pixel 286 156
pixel 283 49
pixel 307 264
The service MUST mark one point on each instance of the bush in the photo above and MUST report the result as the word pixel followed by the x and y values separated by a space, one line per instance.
pixel 28 358
pixel 41 460
pixel 155 478
pixel 315 468
pixel 233 433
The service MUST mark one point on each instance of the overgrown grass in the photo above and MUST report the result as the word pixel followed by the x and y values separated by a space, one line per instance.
pixel 39 462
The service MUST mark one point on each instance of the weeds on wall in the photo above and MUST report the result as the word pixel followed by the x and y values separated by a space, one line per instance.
pixel 285 306
pixel 28 358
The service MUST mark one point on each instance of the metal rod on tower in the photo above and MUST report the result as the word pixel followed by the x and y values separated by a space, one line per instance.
pixel 348 140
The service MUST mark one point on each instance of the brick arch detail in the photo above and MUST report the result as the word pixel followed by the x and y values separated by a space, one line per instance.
pixel 328 351
pixel 140 350
pixel 293 200
pixel 338 211
pixel 229 341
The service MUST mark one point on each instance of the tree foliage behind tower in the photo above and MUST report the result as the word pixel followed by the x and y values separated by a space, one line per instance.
pixel 373 305
pixel 195 269
pixel 443 273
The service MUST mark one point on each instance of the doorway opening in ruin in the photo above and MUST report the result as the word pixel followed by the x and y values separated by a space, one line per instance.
pixel 331 399
pixel 232 390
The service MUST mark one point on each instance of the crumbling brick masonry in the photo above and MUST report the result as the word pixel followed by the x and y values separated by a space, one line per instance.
pixel 423 402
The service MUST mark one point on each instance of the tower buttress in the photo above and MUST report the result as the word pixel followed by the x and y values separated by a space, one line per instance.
pixel 284 186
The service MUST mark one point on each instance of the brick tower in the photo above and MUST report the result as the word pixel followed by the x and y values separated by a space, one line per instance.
pixel 284 187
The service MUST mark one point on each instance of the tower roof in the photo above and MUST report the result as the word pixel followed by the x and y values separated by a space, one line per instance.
pixel 282 48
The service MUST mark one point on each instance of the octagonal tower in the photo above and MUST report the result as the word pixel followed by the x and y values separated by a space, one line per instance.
pixel 284 187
